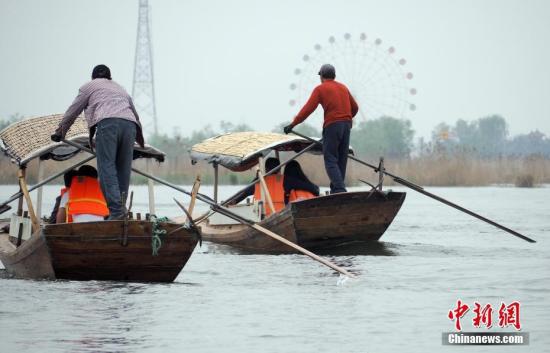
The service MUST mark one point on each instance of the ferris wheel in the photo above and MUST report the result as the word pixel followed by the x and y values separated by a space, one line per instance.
pixel 375 74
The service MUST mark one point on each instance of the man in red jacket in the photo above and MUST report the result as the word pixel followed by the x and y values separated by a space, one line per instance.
pixel 340 108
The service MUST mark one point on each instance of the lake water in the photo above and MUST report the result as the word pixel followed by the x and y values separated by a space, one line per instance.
pixel 431 256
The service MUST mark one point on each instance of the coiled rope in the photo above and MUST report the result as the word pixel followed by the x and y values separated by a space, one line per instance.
pixel 158 233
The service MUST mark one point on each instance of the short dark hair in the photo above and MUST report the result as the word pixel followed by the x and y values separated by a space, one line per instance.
pixel 271 163
pixel 327 71
pixel 68 178
pixel 101 71
pixel 87 170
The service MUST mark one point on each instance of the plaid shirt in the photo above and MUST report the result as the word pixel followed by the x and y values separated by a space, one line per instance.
pixel 99 99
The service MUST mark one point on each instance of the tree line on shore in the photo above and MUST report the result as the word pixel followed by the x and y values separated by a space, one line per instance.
pixel 473 153
pixel 485 138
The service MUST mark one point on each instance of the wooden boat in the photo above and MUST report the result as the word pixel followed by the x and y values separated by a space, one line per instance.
pixel 126 250
pixel 322 223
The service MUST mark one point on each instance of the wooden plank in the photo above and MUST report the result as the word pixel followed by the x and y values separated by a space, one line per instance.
pixel 266 191
pixel 194 192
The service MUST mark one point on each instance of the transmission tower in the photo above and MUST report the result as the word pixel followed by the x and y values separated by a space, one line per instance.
pixel 143 90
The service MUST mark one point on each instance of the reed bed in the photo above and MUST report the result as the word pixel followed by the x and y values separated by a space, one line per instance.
pixel 432 170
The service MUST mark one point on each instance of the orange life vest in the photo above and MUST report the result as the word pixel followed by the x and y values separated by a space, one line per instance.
pixel 276 191
pixel 85 197
pixel 297 195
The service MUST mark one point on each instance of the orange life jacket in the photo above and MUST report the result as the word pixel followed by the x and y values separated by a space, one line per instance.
pixel 85 197
pixel 297 195
pixel 274 184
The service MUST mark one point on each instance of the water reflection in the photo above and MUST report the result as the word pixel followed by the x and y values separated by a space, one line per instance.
pixel 370 248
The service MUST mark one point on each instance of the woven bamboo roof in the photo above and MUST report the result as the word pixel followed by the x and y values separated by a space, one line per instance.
pixel 30 138
pixel 240 150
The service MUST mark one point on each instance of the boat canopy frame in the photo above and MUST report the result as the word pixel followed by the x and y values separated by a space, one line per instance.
pixel 240 151
pixel 29 139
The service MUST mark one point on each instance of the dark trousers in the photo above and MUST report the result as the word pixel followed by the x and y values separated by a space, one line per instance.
pixel 335 151
pixel 115 148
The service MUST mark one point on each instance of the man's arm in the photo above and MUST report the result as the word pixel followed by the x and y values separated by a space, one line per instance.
pixel 62 210
pixel 354 106
pixel 61 215
pixel 308 108
pixel 79 104
pixel 133 107
pixel 139 137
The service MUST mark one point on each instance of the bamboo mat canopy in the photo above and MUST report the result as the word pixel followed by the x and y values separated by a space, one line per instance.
pixel 28 139
pixel 240 151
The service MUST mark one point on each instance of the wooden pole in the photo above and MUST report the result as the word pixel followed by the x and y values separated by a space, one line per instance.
pixel 381 173
pixel 226 212
pixel 266 191
pixel 23 185
pixel 20 203
pixel 324 261
pixel 39 192
pixel 194 192
pixel 215 181
pixel 261 168
pixel 150 189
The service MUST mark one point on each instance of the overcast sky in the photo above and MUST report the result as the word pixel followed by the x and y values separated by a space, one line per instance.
pixel 234 60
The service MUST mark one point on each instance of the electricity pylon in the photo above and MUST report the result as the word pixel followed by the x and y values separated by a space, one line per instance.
pixel 143 90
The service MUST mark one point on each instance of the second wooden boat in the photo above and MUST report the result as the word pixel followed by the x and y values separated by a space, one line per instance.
pixel 321 223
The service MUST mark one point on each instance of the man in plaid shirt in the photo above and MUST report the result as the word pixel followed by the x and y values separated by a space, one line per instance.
pixel 109 112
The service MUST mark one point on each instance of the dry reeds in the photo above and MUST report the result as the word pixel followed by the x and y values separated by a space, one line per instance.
pixel 428 170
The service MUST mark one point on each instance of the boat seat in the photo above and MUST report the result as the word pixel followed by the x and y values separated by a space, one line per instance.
pixel 250 211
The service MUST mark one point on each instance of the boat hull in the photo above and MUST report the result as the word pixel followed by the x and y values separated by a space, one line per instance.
pixel 320 223
pixel 95 251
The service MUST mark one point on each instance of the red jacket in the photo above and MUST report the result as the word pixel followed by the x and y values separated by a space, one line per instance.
pixel 336 101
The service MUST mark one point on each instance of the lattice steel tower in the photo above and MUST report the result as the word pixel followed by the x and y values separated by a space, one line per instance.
pixel 143 90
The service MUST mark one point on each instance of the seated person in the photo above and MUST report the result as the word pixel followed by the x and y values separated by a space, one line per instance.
pixel 274 185
pixel 67 178
pixel 296 184
pixel 84 202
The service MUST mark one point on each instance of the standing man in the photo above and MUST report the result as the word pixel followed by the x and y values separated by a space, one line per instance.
pixel 108 109
pixel 340 108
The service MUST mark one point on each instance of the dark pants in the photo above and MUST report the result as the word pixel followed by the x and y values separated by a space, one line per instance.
pixel 114 148
pixel 335 151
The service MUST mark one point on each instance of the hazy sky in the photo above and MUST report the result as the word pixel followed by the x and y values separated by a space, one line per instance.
pixel 234 60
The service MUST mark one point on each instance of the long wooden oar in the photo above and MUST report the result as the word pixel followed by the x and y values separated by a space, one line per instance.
pixel 228 213
pixel 421 190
